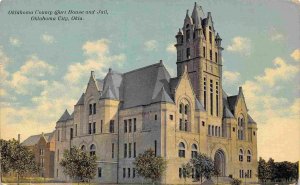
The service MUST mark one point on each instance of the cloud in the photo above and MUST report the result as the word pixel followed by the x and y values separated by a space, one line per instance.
pixel 98 60
pixel 151 45
pixel 296 1
pixel 14 41
pixel 31 75
pixel 48 39
pixel 277 117
pixel 240 45
pixel 171 48
pixel 231 76
pixel 296 55
pixel 280 71
pixel 275 35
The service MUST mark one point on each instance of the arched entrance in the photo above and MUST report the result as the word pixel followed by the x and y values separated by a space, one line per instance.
pixel 220 162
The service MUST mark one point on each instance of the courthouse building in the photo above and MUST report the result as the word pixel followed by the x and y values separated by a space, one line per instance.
pixel 124 114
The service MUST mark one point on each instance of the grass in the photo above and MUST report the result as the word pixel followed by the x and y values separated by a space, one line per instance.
pixel 26 179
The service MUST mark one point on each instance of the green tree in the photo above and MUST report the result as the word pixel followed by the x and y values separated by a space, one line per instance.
pixel 150 166
pixel 264 171
pixel 17 158
pixel 187 170
pixel 236 182
pixel 203 165
pixel 77 164
pixel 272 169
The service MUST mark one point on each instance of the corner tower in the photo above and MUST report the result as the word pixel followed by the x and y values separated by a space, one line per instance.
pixel 199 48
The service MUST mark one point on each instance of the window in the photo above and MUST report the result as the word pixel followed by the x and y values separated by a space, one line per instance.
pixel 210 54
pixel 111 126
pixel 203 123
pixel 181 151
pixel 75 129
pixel 99 172
pixel 41 151
pixel 94 108
pixel 90 128
pixel 210 37
pixel 204 93
pixel 180 124
pixel 155 148
pixel 171 117
pixel 241 173
pixel 71 133
pixel 58 135
pixel 129 151
pixel 134 124
pixel 124 172
pixel 213 130
pixel 216 131
pixel 92 150
pixel 101 126
pixel 112 150
pixel 42 162
pixel 83 148
pixel 209 130
pixel 233 129
pixel 57 155
pixel 56 172
pixel 125 126
pixel 180 108
pixel 193 173
pixel 155 117
pixel 94 127
pixel 219 131
pixel 125 150
pixel 180 173
pixel 216 57
pixel 91 109
pixel 134 149
pixel 130 125
pixel 187 35
pixel 194 151
pixel 217 98
pixel 133 172
pixel 128 172
pixel 254 133
pixel 204 51
pixel 241 155
pixel 188 53
pixel 211 97
pixel 186 109
pixel 249 156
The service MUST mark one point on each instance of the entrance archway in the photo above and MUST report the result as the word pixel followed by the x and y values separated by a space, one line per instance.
pixel 220 162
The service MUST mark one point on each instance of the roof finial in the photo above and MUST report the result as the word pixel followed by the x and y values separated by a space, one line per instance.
pixel 195 4
pixel 187 12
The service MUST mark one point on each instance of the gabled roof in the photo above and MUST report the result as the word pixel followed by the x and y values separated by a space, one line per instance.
pixel 227 113
pixel 199 106
pixel 81 100
pixel 250 120
pixel 66 116
pixel 112 82
pixel 232 101
pixel 162 96
pixel 33 140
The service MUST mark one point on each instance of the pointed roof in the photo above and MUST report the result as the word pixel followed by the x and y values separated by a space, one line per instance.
pixel 81 100
pixel 113 81
pixel 108 94
pixel 227 113
pixel 162 96
pixel 199 106
pixel 93 80
pixel 64 117
pixel 250 120
pixel 197 15
pixel 187 18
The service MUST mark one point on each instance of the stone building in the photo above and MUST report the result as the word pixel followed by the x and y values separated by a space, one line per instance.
pixel 43 148
pixel 124 114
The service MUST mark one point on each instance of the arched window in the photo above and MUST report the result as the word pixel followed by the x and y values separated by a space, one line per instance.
pixel 83 148
pixel 92 150
pixel 249 155
pixel 213 129
pixel 180 108
pixel 194 150
pixel 181 151
pixel 241 128
pixel 186 109
pixel 241 155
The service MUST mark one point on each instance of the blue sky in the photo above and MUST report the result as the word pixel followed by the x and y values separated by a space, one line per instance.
pixel 42 60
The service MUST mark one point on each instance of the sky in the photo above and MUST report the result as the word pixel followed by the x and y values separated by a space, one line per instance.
pixel 45 65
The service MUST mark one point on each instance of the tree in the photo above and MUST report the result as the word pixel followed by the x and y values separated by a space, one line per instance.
pixel 187 170
pixel 264 171
pixel 236 182
pixel 272 169
pixel 203 165
pixel 217 173
pixel 17 158
pixel 150 166
pixel 78 164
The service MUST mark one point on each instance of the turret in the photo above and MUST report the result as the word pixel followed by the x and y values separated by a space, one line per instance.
pixel 179 37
